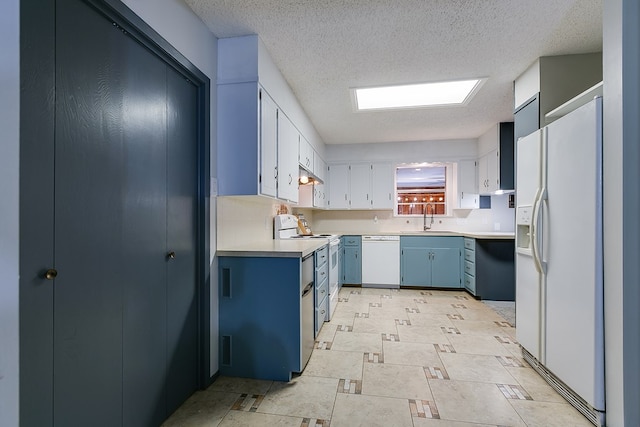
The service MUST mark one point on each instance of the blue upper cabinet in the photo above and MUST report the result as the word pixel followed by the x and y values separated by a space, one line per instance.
pixel 352 260
pixel 431 261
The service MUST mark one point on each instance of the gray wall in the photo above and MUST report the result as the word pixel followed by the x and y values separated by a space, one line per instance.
pixel 621 206
pixel 9 145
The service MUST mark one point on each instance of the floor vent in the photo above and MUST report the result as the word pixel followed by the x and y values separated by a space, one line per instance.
pixel 596 417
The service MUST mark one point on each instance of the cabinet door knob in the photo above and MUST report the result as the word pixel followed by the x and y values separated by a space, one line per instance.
pixel 171 255
pixel 50 274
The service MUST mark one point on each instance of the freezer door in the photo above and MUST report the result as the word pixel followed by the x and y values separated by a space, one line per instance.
pixel 573 252
pixel 528 280
pixel 529 168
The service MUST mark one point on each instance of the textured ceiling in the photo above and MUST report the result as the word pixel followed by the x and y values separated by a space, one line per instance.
pixel 325 47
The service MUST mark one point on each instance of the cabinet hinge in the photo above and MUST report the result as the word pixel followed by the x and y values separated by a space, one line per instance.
pixel 260 179
pixel 260 94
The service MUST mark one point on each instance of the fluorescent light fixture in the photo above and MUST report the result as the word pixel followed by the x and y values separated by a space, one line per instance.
pixel 416 95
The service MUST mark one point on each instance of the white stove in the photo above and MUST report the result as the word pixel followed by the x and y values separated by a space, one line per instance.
pixel 286 227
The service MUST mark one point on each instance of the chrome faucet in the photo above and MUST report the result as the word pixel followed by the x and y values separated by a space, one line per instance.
pixel 424 217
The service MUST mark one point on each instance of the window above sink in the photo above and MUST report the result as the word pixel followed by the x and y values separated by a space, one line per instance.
pixel 423 188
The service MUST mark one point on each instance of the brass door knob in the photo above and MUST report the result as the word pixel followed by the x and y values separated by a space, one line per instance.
pixel 171 255
pixel 50 274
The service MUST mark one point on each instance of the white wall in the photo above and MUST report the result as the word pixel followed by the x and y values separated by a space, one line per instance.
pixel 499 218
pixel 181 27
pixel 246 219
pixel 9 225
pixel 621 67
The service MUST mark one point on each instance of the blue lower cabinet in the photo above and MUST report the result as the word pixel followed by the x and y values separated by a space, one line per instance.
pixel 322 290
pixel 259 315
pixel 352 260
pixel 321 313
pixel 415 266
pixel 445 268
pixel 431 261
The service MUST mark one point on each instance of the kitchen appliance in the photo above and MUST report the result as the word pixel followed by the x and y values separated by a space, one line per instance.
pixel 559 261
pixel 286 226
pixel 307 310
pixel 381 261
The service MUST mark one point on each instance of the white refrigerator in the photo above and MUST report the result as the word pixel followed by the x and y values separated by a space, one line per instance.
pixel 559 266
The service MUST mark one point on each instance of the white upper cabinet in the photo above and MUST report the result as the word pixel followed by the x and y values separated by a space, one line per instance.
pixel 258 137
pixel 306 156
pixel 319 168
pixel 338 187
pixel 468 197
pixel 288 138
pixel 495 164
pixel 268 146
pixel 488 177
pixel 382 186
pixel 319 195
pixel 361 186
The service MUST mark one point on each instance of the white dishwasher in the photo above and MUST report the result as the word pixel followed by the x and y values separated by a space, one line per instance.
pixel 381 261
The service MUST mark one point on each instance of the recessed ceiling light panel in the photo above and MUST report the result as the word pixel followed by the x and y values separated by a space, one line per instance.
pixel 418 95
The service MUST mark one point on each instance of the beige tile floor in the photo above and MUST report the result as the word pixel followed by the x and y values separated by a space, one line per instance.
pixel 395 358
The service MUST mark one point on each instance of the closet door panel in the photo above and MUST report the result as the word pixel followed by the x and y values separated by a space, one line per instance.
pixel 89 159
pixel 144 193
pixel 37 149
pixel 182 185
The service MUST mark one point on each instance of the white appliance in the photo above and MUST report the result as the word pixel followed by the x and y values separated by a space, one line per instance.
pixel 559 265
pixel 286 227
pixel 381 261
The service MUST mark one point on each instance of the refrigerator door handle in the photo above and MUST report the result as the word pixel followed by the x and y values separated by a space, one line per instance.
pixel 536 233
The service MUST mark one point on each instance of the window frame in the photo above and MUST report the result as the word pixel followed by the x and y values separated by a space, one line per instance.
pixel 449 190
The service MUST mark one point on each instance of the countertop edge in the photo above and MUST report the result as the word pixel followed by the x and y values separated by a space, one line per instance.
pixel 302 248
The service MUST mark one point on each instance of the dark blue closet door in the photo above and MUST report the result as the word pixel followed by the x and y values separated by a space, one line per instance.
pixel 182 186
pixel 144 195
pixel 89 228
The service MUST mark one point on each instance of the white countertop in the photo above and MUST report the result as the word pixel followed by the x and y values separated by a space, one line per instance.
pixel 471 234
pixel 439 233
pixel 299 248
pixel 292 248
